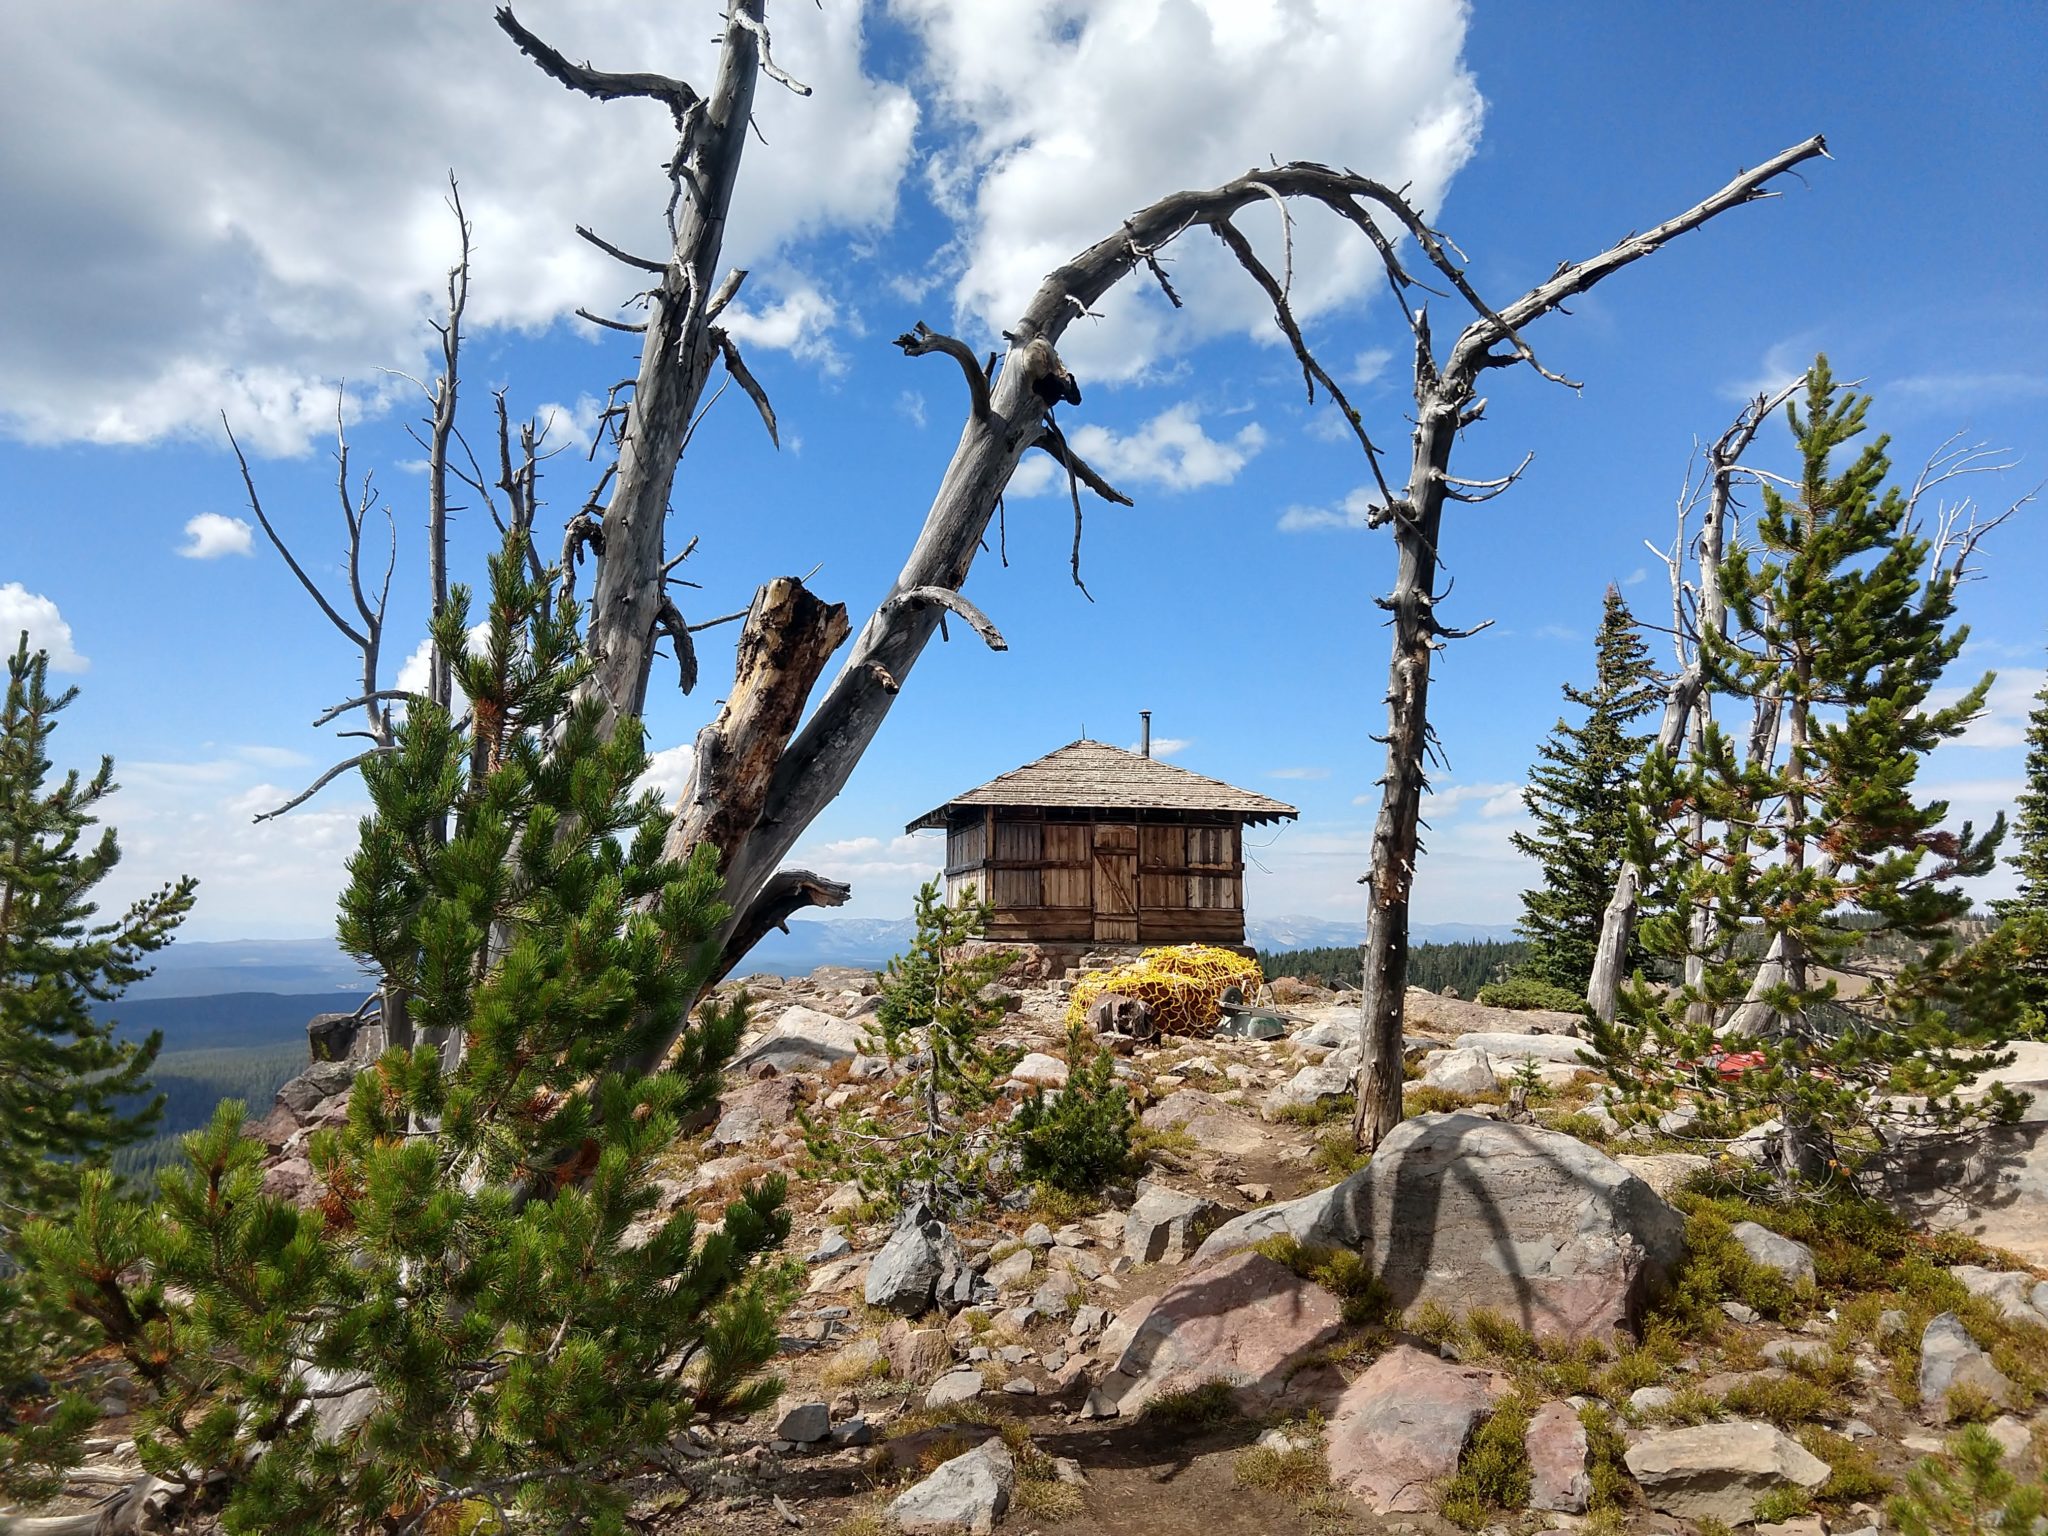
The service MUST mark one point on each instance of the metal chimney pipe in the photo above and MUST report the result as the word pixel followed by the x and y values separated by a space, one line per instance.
pixel 1144 733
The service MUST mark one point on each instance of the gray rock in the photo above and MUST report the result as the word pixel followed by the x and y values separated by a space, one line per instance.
pixel 1472 1212
pixel 905 1274
pixel 954 1387
pixel 802 1039
pixel 968 1493
pixel 1052 1298
pixel 1021 1386
pixel 1664 1171
pixel 1010 1270
pixel 1087 1321
pixel 322 1080
pixel 833 1245
pixel 1508 1051
pixel 855 1431
pixel 1719 1471
pixel 1038 1235
pixel 1213 1124
pixel 1950 1358
pixel 1740 1312
pixel 2011 1291
pixel 1311 1085
pixel 1793 1260
pixel 1164 1225
pixel 1650 1399
pixel 1040 1070
pixel 1327 1035
pixel 805 1424
pixel 2012 1434
pixel 1460 1071
pixel 754 1109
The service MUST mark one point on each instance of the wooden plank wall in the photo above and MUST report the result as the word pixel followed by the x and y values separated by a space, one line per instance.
pixel 1041 878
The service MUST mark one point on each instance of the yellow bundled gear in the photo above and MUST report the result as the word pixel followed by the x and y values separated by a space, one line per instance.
pixel 1183 984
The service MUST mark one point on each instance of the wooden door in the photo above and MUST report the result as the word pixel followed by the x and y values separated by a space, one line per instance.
pixel 1116 884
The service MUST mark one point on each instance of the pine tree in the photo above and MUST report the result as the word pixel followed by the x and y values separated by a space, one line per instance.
pixel 1578 793
pixel 1079 1138
pixel 71 1090
pixel 928 1139
pixel 1816 854
pixel 2021 940
pixel 482 1310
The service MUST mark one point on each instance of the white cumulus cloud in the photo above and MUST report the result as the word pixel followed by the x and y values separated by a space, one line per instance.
pixel 211 535
pixel 21 609
pixel 207 224
pixel 1056 120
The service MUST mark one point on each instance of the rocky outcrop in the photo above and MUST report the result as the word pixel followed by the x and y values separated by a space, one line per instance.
pixel 905 1275
pixel 1719 1471
pixel 1460 1071
pixel 968 1493
pixel 802 1040
pixel 1399 1429
pixel 2019 1296
pixel 1245 1320
pixel 1213 1124
pixel 1471 1212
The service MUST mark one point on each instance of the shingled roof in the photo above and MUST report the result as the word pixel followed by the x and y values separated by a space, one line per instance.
pixel 1094 776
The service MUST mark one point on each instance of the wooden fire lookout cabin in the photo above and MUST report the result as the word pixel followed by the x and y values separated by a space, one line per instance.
pixel 1095 845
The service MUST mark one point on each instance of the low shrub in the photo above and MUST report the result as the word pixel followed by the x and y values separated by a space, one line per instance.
pixel 1493 1474
pixel 1610 1489
pixel 1341 1271
pixel 1853 1475
pixel 1196 1407
pixel 1077 1140
pixel 1787 1501
pixel 1786 1401
pixel 1528 992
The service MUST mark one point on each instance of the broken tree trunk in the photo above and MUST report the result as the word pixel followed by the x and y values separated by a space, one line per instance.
pixel 1446 402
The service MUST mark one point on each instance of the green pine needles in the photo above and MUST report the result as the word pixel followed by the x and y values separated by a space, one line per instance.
pixel 484 1322
pixel 71 1091
pixel 1578 794
pixel 927 1138
pixel 1818 864
pixel 1078 1139
pixel 2021 942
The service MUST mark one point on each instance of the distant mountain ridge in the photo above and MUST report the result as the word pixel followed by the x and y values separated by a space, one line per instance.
pixel 301 966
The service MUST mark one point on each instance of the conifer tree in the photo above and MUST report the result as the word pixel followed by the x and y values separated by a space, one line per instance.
pixel 928 1140
pixel 2021 940
pixel 1578 793
pixel 1817 852
pixel 482 1321
pixel 71 1090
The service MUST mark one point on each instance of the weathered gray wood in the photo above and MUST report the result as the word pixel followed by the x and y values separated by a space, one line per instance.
pixel 1446 400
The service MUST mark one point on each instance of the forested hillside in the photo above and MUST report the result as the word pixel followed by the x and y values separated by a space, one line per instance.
pixel 1467 965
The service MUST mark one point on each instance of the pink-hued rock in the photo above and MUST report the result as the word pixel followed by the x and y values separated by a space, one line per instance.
pixel 1213 1124
pixel 1556 1443
pixel 1399 1429
pixel 1246 1320
pixel 1471 1212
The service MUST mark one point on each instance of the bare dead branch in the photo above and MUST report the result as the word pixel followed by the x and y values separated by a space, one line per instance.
pixel 1476 491
pixel 953 602
pixel 323 781
pixel 759 28
pixel 728 290
pixel 922 341
pixel 256 506
pixel 736 366
pixel 787 892
pixel 605 85
pixel 669 621
pixel 1054 442
pixel 616 254
pixel 334 712
pixel 630 327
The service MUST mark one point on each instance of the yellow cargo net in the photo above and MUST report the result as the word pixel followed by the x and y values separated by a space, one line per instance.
pixel 1183 984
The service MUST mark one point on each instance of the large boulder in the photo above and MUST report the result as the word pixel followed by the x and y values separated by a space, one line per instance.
pixel 968 1493
pixel 1245 1320
pixel 752 1110
pixel 1664 1171
pixel 1950 1359
pixel 1399 1429
pixel 1471 1212
pixel 905 1274
pixel 1164 1225
pixel 1433 1013
pixel 1309 1086
pixel 2014 1292
pixel 1992 1186
pixel 1508 1051
pixel 1719 1471
pixel 322 1080
pixel 802 1040
pixel 1460 1071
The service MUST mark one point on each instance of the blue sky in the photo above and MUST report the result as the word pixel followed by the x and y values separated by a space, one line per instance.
pixel 239 208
